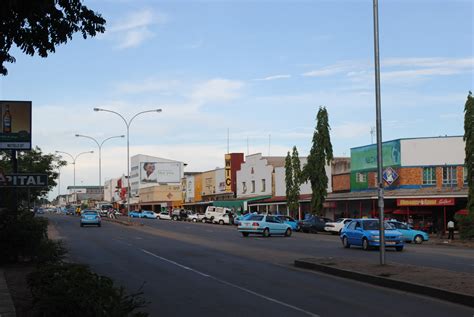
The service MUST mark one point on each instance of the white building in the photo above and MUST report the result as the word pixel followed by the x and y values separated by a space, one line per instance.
pixel 148 171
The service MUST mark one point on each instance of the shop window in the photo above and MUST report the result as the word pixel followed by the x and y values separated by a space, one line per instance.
pixel 263 185
pixel 449 175
pixel 361 178
pixel 244 187
pixel 253 186
pixel 429 176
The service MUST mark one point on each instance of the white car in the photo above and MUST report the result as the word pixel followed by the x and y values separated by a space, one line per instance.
pixel 195 217
pixel 222 219
pixel 164 215
pixel 336 226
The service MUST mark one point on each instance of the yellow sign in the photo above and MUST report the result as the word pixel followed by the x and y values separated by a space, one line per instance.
pixel 228 174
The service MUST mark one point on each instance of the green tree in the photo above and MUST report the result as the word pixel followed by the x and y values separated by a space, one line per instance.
pixel 31 162
pixel 466 223
pixel 38 26
pixel 293 181
pixel 320 155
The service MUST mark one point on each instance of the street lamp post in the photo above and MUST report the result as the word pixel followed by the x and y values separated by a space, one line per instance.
pixel 100 151
pixel 378 113
pixel 74 164
pixel 127 123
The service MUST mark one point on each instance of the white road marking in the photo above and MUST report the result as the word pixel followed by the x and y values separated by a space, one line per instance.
pixel 233 285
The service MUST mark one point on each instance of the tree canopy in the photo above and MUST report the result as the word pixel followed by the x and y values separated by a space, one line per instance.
pixel 31 162
pixel 320 155
pixel 38 26
pixel 293 181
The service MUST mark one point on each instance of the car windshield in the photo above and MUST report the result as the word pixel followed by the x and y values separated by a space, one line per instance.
pixel 374 225
pixel 256 218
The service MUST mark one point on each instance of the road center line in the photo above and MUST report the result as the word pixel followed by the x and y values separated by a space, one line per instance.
pixel 232 285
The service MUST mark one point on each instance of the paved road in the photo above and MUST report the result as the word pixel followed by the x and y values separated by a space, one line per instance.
pixel 196 269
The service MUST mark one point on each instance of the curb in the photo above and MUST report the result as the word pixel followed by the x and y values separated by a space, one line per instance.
pixel 124 223
pixel 419 289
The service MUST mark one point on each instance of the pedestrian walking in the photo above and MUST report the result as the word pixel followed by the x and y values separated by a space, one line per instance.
pixel 450 230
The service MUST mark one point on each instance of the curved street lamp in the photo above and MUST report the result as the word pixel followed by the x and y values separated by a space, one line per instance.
pixel 74 158
pixel 127 123
pixel 100 151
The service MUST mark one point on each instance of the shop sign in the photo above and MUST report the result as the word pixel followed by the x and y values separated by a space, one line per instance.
pixel 389 175
pixel 228 174
pixel 23 180
pixel 408 202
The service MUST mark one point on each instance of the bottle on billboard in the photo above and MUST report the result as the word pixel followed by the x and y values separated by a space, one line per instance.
pixel 7 120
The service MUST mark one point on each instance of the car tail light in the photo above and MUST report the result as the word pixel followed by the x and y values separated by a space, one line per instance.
pixel 255 224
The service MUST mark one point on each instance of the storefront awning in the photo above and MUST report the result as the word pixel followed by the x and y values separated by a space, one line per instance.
pixel 462 212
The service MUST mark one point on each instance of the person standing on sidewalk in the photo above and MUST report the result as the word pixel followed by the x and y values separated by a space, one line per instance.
pixel 451 230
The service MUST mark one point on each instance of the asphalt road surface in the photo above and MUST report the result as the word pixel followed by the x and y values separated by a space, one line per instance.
pixel 188 269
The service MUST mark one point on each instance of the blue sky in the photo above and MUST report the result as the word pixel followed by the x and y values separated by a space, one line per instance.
pixel 257 68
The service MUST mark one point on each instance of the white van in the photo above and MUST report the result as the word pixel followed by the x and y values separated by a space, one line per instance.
pixel 213 212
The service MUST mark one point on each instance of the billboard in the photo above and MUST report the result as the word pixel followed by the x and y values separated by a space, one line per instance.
pixel 160 172
pixel 15 125
pixel 365 158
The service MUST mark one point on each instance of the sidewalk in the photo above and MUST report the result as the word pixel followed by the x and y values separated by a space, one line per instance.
pixel 457 242
pixel 7 309
pixel 456 287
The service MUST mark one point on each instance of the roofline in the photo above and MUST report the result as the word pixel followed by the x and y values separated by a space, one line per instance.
pixel 414 138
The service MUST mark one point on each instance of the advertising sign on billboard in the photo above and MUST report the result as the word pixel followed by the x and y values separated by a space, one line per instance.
pixel 15 125
pixel 160 172
pixel 365 158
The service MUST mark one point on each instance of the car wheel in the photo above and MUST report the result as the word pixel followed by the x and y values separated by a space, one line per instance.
pixel 365 244
pixel 245 234
pixel 221 222
pixel 288 232
pixel 418 239
pixel 175 218
pixel 266 232
pixel 345 242
pixel 399 249
pixel 203 220
pixel 194 220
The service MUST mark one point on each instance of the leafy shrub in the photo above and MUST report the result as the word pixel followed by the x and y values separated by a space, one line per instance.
pixel 466 226
pixel 73 290
pixel 22 236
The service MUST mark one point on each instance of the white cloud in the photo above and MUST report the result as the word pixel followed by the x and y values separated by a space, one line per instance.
pixel 217 90
pixel 274 77
pixel 136 28
pixel 338 68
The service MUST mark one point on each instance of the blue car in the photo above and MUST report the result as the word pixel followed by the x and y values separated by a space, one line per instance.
pixel 290 221
pixel 365 233
pixel 90 217
pixel 409 234
pixel 239 219
pixel 135 214
pixel 149 214
pixel 264 225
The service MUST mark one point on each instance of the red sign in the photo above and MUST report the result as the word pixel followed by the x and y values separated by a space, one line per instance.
pixel 402 202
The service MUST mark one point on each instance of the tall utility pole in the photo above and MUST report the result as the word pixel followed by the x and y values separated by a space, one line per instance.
pixel 378 113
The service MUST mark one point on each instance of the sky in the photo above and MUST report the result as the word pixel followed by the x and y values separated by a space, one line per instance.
pixel 248 73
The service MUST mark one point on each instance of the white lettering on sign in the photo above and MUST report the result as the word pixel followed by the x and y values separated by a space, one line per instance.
pixel 23 180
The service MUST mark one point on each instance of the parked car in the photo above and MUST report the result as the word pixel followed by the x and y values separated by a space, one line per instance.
pixel 179 214
pixel 239 219
pixel 149 214
pixel 222 219
pixel 290 221
pixel 265 225
pixel 213 212
pixel 409 234
pixel 135 214
pixel 90 217
pixel 336 226
pixel 312 224
pixel 365 233
pixel 164 215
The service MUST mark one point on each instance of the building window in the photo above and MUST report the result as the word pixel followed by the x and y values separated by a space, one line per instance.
pixel 361 178
pixel 449 175
pixel 263 185
pixel 464 170
pixel 253 186
pixel 429 176
pixel 244 187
